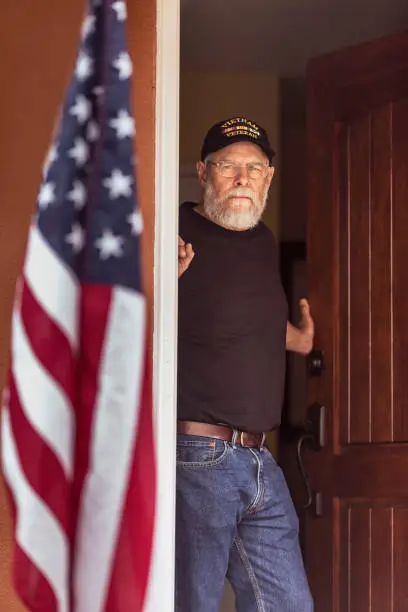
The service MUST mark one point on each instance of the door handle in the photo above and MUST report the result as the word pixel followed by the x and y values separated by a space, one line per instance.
pixel 316 363
pixel 313 432
pixel 315 425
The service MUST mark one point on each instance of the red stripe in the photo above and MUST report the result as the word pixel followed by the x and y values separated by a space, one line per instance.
pixel 39 464
pixel 96 300
pixel 48 342
pixel 32 587
pixel 131 566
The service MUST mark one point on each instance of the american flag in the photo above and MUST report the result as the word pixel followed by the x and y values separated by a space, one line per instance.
pixel 77 433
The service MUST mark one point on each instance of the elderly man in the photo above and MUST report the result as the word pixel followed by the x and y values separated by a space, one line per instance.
pixel 235 516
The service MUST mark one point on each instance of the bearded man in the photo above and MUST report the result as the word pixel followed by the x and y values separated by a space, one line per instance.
pixel 235 516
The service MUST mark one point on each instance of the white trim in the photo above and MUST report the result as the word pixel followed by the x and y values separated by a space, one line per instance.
pixel 161 592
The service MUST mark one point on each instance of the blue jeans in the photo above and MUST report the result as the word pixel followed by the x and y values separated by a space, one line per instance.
pixel 235 519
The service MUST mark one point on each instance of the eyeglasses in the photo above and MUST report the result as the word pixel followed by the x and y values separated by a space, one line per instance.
pixel 230 170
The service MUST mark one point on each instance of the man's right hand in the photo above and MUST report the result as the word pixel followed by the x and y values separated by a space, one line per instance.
pixel 185 256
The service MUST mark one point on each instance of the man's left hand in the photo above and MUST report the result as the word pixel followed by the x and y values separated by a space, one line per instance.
pixel 307 326
pixel 300 339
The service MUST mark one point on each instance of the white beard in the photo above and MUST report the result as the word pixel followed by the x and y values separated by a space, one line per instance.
pixel 218 210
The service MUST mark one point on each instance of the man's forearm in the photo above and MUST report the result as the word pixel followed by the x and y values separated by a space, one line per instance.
pixel 297 341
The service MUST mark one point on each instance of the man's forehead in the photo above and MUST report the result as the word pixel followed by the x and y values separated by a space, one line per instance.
pixel 239 151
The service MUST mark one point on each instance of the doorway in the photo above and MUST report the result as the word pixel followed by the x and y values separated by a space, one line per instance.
pixel 236 63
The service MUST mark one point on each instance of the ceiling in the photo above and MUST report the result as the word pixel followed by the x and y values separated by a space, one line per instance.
pixel 279 35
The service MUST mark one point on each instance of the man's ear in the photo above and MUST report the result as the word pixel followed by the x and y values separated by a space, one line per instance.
pixel 271 173
pixel 202 172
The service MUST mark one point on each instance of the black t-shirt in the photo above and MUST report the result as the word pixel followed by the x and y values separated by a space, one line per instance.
pixel 232 326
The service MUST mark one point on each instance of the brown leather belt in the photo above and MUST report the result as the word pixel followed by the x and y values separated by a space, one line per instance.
pixel 242 438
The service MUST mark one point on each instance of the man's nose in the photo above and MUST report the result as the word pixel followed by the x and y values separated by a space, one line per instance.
pixel 241 178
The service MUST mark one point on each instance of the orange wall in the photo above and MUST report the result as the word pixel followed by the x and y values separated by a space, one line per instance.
pixel 38 43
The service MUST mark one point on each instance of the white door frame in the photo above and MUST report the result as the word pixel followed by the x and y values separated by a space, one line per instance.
pixel 161 594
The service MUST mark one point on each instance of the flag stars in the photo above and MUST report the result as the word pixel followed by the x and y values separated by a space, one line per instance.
pixel 119 184
pixel 123 65
pixel 76 238
pixel 78 195
pixel 88 26
pixel 120 8
pixel 99 94
pixel 84 67
pixel 81 109
pixel 98 91
pixel 109 245
pixel 79 152
pixel 136 222
pixel 46 195
pixel 52 156
pixel 93 131
pixel 124 124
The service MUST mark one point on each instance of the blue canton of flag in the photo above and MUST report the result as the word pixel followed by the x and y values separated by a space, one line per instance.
pixel 87 206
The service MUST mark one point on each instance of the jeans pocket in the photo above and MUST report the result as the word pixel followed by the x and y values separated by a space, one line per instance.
pixel 200 453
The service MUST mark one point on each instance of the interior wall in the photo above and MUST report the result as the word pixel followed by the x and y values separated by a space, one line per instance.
pixel 293 217
pixel 205 99
pixel 293 230
pixel 38 48
pixel 294 160
pixel 209 97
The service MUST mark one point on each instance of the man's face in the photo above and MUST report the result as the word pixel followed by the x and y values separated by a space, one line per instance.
pixel 236 181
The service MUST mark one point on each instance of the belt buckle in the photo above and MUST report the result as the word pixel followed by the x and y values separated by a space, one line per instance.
pixel 241 439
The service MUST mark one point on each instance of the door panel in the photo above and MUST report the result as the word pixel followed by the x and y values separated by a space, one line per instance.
pixel 356 554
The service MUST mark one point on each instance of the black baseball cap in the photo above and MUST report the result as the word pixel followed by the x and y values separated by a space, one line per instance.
pixel 236 129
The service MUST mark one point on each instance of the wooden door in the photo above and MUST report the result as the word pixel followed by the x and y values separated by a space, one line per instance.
pixel 357 551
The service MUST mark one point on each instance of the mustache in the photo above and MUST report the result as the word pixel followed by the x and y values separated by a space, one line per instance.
pixel 239 192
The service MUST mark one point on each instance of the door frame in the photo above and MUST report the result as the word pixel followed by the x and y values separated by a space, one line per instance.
pixel 161 589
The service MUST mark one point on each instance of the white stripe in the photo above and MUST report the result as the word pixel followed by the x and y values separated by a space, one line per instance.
pixel 44 402
pixel 113 437
pixel 53 284
pixel 38 533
